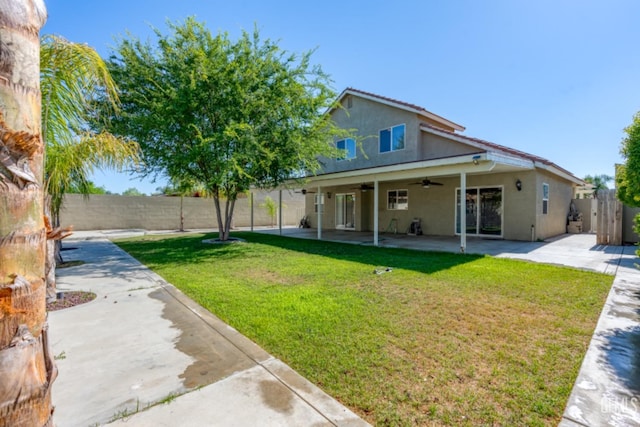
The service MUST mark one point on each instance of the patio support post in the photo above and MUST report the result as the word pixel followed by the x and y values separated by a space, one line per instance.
pixel 375 213
pixel 463 212
pixel 251 202
pixel 280 211
pixel 319 206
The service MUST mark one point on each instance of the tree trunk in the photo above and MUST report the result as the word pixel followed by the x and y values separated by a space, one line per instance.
pixel 224 219
pixel 229 218
pixel 216 202
pixel 27 369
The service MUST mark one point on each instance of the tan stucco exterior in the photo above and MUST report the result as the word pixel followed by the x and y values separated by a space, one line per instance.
pixel 436 205
pixel 435 151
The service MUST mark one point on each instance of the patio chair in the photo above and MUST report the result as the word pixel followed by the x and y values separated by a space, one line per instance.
pixel 304 222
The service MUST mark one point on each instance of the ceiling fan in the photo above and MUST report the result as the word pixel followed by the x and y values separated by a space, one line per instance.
pixel 304 191
pixel 426 183
pixel 363 187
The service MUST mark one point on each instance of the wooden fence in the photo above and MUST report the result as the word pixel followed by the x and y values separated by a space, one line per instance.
pixel 609 230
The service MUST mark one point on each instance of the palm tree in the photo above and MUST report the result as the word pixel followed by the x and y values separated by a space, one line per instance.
pixel 599 182
pixel 27 370
pixel 72 77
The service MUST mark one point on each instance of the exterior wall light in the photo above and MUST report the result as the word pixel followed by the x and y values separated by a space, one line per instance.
pixel 475 159
pixel 519 185
pixel 328 194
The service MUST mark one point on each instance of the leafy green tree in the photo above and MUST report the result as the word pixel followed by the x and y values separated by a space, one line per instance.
pixel 599 182
pixel 90 188
pixel 132 191
pixel 628 174
pixel 227 115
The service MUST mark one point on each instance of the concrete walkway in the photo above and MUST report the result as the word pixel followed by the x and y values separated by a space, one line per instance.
pixel 142 342
pixel 607 390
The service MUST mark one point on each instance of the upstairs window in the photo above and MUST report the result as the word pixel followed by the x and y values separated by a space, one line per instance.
pixel 347 148
pixel 392 139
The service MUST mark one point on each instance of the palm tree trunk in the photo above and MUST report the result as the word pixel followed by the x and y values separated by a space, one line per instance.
pixel 27 369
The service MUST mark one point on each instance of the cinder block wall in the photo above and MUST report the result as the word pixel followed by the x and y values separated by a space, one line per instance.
pixel 108 212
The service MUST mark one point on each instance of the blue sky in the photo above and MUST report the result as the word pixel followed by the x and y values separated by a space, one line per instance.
pixel 559 79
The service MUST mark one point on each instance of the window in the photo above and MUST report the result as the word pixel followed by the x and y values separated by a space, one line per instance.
pixel 397 200
pixel 319 200
pixel 545 198
pixel 348 148
pixel 392 139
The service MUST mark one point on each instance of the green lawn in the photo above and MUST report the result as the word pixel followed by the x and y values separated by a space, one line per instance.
pixel 442 339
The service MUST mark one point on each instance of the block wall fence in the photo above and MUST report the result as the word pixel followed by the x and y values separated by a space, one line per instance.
pixel 113 212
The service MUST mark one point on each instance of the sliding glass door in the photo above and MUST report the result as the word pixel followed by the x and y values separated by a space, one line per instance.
pixel 483 209
pixel 346 211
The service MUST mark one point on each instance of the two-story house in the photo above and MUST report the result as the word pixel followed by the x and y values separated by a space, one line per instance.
pixel 409 163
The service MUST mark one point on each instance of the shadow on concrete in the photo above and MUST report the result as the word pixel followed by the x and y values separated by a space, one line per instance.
pixel 621 351
pixel 100 263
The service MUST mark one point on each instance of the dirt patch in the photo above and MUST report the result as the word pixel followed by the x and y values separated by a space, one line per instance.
pixel 71 299
pixel 68 264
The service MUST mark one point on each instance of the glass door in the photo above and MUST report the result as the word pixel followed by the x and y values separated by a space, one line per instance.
pixel 346 211
pixel 484 211
pixel 490 211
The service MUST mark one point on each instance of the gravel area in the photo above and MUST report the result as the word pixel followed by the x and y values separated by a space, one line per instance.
pixel 71 299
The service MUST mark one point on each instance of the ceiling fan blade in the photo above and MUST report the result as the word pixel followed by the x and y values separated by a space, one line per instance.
pixel 427 182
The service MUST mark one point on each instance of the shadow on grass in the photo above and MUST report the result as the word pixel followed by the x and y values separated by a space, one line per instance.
pixel 190 249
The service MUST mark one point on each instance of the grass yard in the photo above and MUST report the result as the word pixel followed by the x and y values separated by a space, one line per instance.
pixel 443 339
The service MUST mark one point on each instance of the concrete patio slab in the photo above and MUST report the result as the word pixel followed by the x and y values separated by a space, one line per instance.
pixel 142 341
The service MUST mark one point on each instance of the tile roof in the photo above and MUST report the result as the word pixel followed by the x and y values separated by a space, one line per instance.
pixel 491 146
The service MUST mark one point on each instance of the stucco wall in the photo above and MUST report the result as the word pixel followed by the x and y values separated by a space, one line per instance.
pixel 105 212
pixel 560 195
pixel 368 118
pixel 436 147
pixel 435 206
